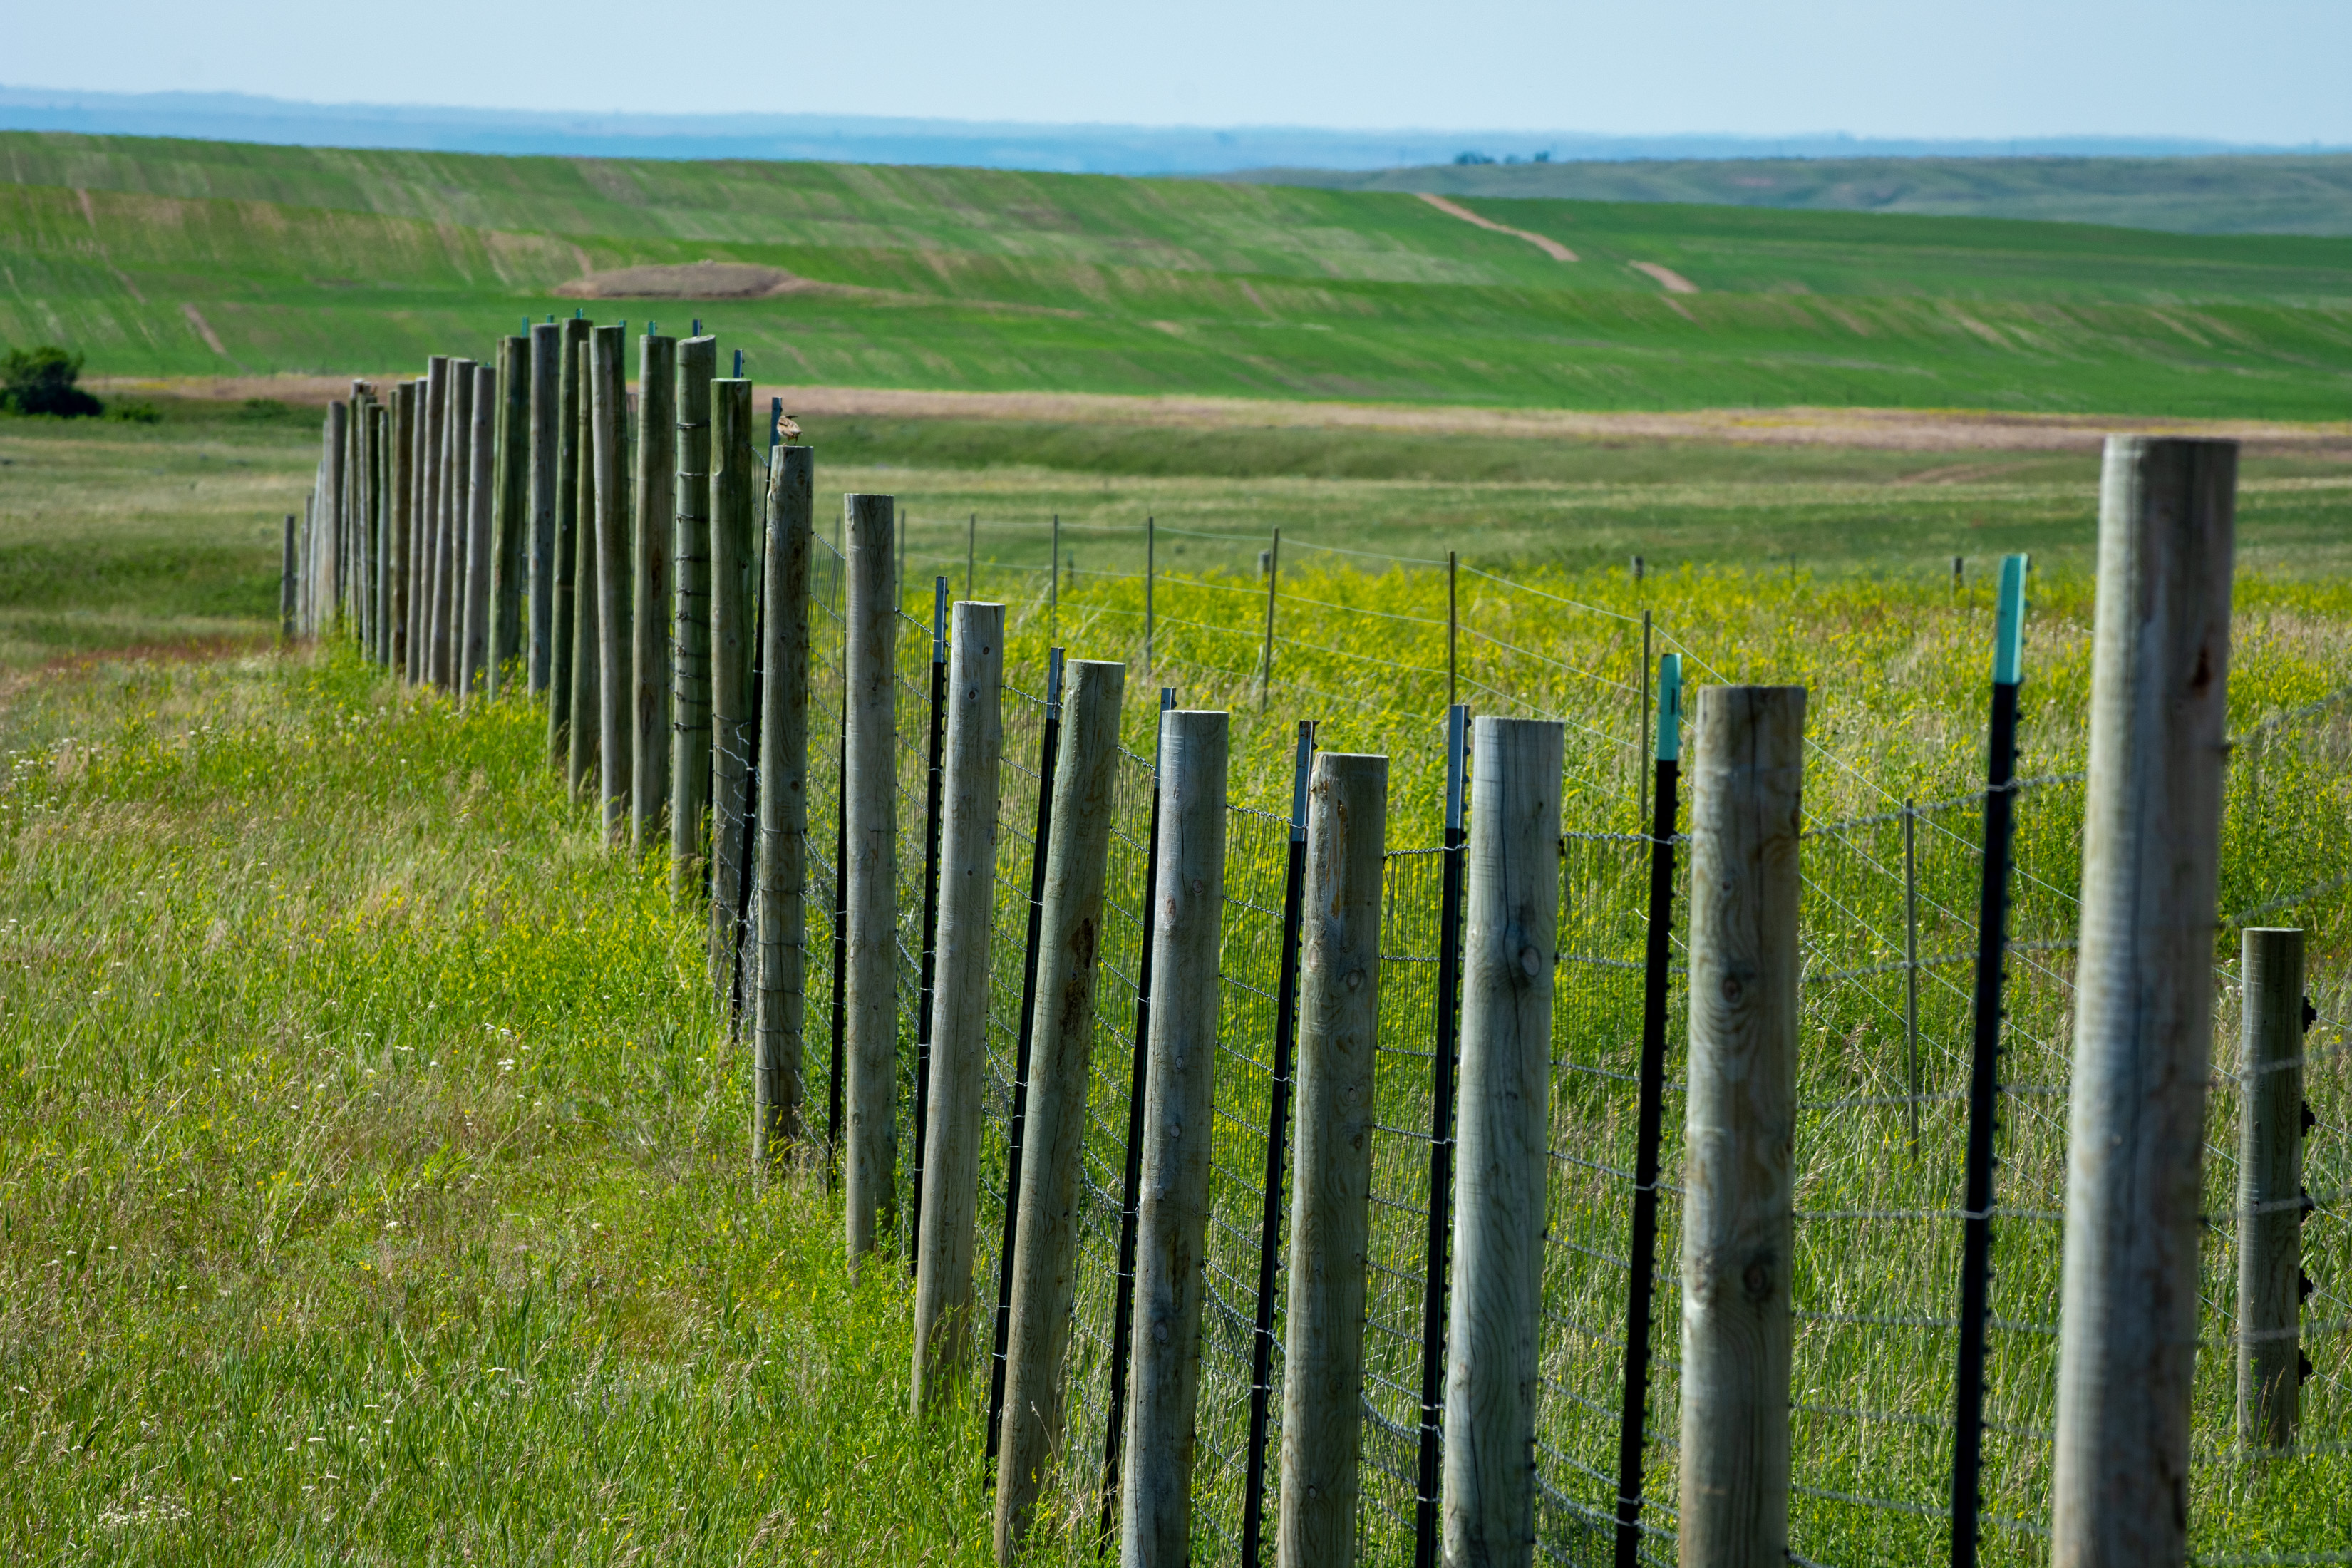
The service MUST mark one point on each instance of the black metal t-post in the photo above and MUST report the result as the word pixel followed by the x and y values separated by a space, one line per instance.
pixel 1443 1064
pixel 933 777
pixel 1277 1133
pixel 1984 1066
pixel 1643 1248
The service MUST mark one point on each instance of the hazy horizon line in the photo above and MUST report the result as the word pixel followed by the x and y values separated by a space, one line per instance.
pixel 1075 146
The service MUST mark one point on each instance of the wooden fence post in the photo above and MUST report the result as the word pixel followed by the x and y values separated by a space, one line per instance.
pixel 425 530
pixel 1187 914
pixel 582 769
pixel 546 441
pixel 1740 1124
pixel 349 562
pixel 455 390
pixel 731 551
pixel 335 497
pixel 950 1196
pixel 563 620
pixel 870 793
pixel 1062 1033
pixel 399 536
pixel 2143 1020
pixel 449 596
pixel 781 995
pixel 655 527
pixel 1331 1210
pixel 2269 1188
pixel 1511 909
pixel 690 799
pixel 380 446
pixel 509 515
pixel 615 627
pixel 433 567
pixel 286 587
pixel 481 486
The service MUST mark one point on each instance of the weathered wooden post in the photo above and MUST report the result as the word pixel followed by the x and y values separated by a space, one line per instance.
pixel 1330 1209
pixel 1061 1055
pixel 429 562
pixel 616 566
pixel 466 391
pixel 457 397
pixel 734 553
pixel 400 535
pixel 382 442
pixel 333 501
pixel 457 510
pixel 1187 915
pixel 655 527
pixel 481 495
pixel 563 619
pixel 690 798
pixel 2270 1204
pixel 286 587
pixel 869 786
pixel 783 866
pixel 1511 912
pixel 546 409
pixel 582 769
pixel 950 1194
pixel 424 532
pixel 510 517
pixel 2143 988
pixel 1739 1136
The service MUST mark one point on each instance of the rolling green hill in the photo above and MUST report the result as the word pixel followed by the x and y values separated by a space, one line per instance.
pixel 186 257
pixel 2271 193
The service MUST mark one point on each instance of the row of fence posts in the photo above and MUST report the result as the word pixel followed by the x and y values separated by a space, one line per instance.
pixel 481 518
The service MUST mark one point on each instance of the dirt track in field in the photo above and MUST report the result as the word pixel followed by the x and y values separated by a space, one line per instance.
pixel 1883 429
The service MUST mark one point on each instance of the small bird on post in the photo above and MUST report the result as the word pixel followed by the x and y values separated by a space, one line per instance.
pixel 788 430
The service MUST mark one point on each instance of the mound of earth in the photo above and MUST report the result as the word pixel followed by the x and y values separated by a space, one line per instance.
pixel 691 280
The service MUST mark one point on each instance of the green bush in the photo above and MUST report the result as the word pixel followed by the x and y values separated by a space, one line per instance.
pixel 41 380
pixel 131 413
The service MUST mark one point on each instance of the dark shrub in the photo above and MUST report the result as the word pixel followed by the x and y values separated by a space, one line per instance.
pixel 41 380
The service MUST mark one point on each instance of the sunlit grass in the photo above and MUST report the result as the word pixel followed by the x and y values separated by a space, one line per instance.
pixel 374 1170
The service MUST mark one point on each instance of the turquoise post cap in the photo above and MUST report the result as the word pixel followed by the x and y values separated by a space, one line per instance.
pixel 2009 625
pixel 1670 707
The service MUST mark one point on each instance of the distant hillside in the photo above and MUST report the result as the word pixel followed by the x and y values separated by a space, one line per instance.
pixel 169 258
pixel 2272 194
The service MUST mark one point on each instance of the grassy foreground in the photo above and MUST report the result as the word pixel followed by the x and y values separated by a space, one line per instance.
pixel 372 1172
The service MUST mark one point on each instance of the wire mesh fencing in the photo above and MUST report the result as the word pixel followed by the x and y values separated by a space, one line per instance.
pixel 1889 930
pixel 1596 1018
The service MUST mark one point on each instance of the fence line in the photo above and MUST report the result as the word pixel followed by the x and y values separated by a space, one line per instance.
pixel 1883 1099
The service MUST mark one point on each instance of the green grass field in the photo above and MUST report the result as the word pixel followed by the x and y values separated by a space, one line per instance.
pixel 372 1152
pixel 2272 194
pixel 161 257
pixel 375 1152
pixel 115 535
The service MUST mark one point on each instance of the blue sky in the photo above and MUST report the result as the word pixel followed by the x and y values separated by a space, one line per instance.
pixel 2251 70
